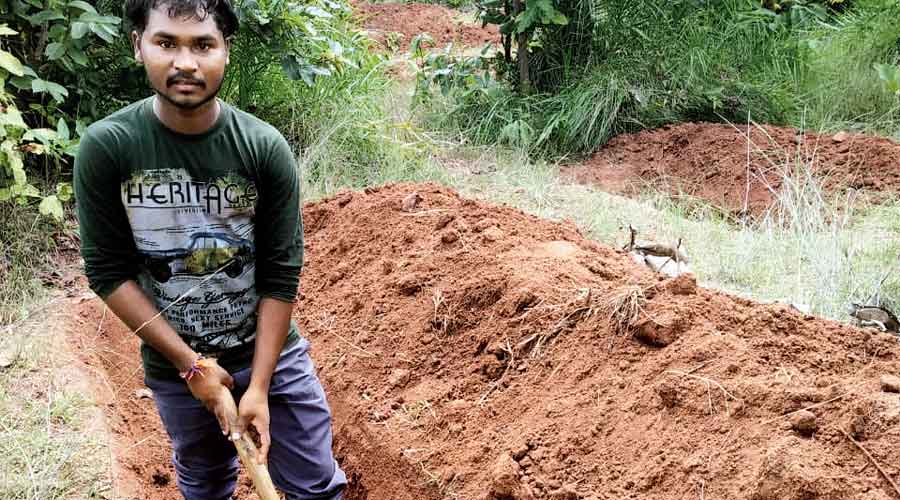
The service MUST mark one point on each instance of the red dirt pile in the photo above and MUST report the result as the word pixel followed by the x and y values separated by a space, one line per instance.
pixel 410 19
pixel 472 351
pixel 710 161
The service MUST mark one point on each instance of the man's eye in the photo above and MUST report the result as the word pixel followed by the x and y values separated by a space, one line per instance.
pixel 203 46
pixel 166 44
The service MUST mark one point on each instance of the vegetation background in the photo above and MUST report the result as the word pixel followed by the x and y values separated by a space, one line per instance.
pixel 566 77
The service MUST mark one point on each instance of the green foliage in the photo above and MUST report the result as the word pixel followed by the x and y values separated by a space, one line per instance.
pixel 623 65
pixel 47 49
pixel 308 39
pixel 842 85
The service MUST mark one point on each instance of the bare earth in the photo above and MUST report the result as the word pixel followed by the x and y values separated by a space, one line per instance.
pixel 472 351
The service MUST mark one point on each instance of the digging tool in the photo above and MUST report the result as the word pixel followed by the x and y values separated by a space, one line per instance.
pixel 247 451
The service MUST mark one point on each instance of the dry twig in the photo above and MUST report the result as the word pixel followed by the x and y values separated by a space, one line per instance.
pixel 874 462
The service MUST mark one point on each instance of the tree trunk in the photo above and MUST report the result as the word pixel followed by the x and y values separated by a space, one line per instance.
pixel 522 52
pixel 507 39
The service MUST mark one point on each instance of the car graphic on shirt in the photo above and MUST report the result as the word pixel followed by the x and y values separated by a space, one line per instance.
pixel 204 254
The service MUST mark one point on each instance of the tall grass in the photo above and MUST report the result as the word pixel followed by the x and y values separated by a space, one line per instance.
pixel 840 87
pixel 26 245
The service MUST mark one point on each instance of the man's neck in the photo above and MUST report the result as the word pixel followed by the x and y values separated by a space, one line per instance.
pixel 187 121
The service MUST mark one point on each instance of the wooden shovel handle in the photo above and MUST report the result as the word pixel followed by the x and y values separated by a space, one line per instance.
pixel 247 451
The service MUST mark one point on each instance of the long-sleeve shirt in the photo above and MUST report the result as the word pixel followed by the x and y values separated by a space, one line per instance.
pixel 207 224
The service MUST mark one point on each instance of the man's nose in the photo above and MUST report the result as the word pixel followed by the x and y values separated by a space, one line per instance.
pixel 185 61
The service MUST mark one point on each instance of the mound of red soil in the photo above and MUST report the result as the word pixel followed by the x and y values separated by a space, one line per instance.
pixel 472 351
pixel 713 162
pixel 411 19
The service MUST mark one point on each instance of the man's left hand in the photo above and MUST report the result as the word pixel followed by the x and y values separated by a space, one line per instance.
pixel 253 410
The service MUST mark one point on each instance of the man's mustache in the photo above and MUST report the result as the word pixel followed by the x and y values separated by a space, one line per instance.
pixel 183 78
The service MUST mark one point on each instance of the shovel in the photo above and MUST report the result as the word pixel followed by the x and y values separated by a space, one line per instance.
pixel 247 451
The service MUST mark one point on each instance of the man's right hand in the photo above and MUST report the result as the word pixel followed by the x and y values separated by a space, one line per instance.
pixel 211 386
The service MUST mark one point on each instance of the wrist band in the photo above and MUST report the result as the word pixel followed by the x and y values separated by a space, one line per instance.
pixel 193 370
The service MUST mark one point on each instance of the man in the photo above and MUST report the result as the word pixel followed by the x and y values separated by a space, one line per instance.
pixel 191 233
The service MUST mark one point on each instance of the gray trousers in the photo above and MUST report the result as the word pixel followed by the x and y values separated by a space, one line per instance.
pixel 300 459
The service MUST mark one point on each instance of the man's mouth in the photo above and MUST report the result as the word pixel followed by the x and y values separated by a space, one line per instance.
pixel 186 84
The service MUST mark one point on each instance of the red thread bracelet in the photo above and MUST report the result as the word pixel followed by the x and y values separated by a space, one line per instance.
pixel 193 370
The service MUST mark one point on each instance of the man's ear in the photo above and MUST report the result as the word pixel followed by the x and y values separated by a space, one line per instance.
pixel 136 44
pixel 227 51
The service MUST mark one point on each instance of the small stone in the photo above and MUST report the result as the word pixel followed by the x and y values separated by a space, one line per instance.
pixel 143 394
pixel 840 137
pixel 450 237
pixel 7 358
pixel 623 365
pixel 505 483
pixel 443 221
pixel 492 234
pixel 411 202
pixel 566 492
pixel 484 224
pixel 890 383
pixel 399 377
pixel 804 422
pixel 520 450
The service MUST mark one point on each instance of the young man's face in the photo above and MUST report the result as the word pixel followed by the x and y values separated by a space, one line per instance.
pixel 185 58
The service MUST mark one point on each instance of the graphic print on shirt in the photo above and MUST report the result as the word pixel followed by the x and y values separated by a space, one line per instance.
pixel 196 238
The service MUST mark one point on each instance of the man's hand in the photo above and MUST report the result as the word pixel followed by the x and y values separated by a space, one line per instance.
pixel 253 410
pixel 211 386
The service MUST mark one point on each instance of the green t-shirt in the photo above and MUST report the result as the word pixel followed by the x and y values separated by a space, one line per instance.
pixel 212 218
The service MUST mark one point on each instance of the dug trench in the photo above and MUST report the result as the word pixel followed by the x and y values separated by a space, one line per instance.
pixel 473 351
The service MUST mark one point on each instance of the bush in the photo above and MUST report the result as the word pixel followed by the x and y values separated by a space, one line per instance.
pixel 622 65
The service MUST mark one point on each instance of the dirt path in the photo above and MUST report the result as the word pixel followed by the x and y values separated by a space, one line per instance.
pixel 481 352
pixel 713 162
pixel 385 21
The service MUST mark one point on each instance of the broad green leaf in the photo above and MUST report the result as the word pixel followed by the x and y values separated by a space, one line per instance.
pixel 62 129
pixel 6 30
pixel 105 35
pixel 12 118
pixel 90 17
pixel 64 191
pixel 56 90
pixel 45 16
pixel 5 194
pixel 316 11
pixel 10 63
pixel 21 82
pixel 55 50
pixel 58 31
pixel 78 56
pixel 80 128
pixel 81 4
pixel 79 29
pixel 45 135
pixel 26 190
pixel 52 207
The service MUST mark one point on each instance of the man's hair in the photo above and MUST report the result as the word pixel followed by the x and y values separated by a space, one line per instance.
pixel 138 11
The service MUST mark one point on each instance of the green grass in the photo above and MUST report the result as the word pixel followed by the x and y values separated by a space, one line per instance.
pixel 51 446
pixel 26 244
